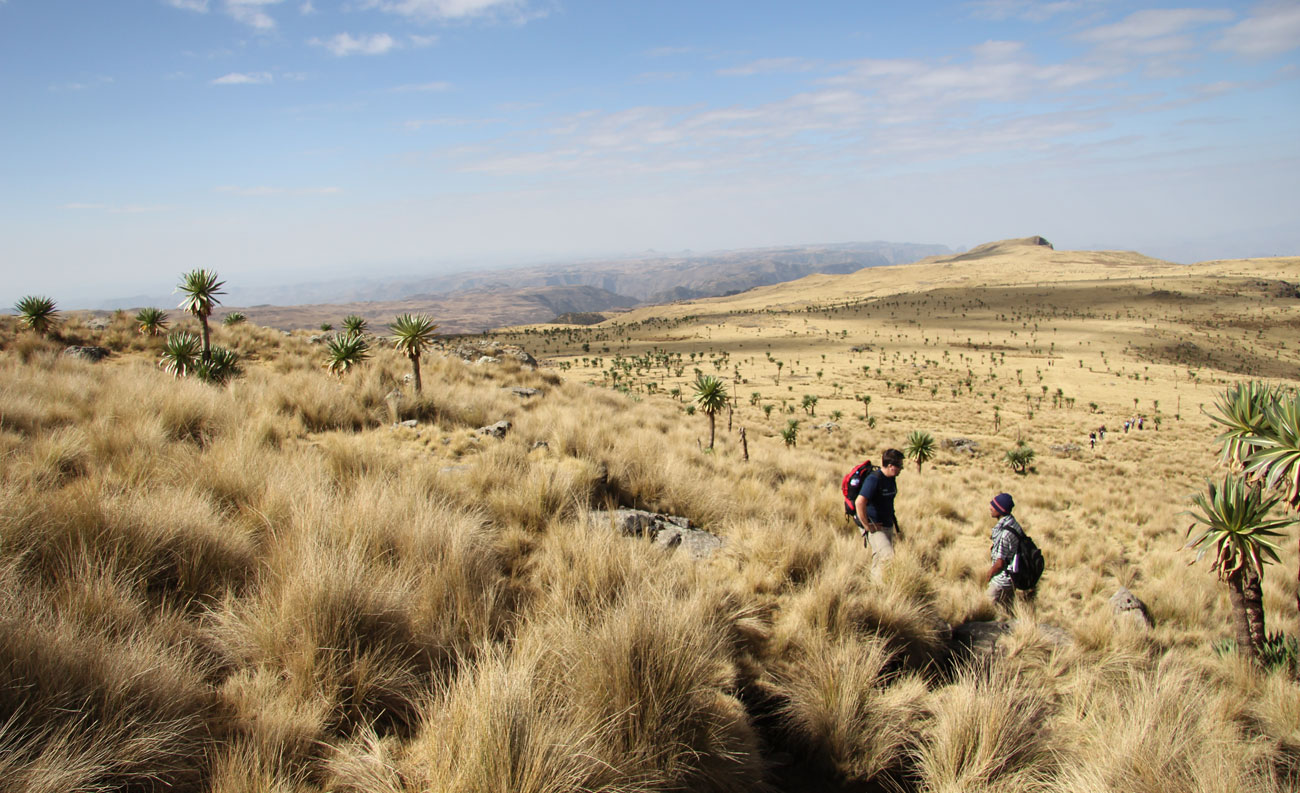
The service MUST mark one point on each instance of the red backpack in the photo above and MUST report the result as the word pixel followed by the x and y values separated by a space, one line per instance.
pixel 852 484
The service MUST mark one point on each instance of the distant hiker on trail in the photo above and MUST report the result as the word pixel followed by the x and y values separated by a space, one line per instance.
pixel 1128 423
pixel 1092 440
pixel 1010 546
pixel 874 509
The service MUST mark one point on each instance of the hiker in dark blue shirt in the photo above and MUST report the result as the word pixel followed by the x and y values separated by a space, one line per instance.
pixel 874 509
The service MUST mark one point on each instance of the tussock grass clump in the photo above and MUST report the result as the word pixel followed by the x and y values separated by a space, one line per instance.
pixel 847 711
pixel 641 700
pixel 93 697
pixel 843 602
pixel 985 731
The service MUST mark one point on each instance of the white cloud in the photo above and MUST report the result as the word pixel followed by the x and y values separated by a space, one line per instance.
pixel 244 78
pixel 95 82
pixel 423 41
pixel 1271 29
pixel 437 85
pixel 249 12
pixel 306 9
pixel 455 9
pixel 1030 10
pixel 117 209
pixel 345 44
pixel 1153 24
pixel 265 190
pixel 768 66
pixel 669 52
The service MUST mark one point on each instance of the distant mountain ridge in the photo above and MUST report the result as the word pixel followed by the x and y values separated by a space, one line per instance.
pixel 477 301
pixel 647 278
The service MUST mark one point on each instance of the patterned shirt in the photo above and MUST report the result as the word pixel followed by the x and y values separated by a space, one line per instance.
pixel 1006 544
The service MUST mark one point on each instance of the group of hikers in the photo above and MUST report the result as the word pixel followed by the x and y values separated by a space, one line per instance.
pixel 1015 561
pixel 1099 434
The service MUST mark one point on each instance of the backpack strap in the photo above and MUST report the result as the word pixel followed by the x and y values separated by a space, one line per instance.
pixel 1019 534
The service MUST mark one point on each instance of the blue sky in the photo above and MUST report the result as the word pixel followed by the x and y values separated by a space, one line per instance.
pixel 290 140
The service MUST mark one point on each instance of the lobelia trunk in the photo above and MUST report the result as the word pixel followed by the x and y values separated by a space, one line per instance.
pixel 1241 622
pixel 207 340
pixel 1252 596
pixel 415 366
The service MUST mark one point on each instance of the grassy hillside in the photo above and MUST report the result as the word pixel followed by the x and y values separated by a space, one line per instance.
pixel 267 586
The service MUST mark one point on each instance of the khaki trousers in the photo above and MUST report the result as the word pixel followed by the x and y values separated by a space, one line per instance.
pixel 881 543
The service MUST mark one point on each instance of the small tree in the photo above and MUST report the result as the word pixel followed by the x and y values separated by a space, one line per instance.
pixel 1274 457
pixel 151 321
pixel 711 396
pixel 221 365
pixel 920 447
pixel 411 335
pixel 200 288
pixel 345 351
pixel 234 318
pixel 1020 458
pixel 810 404
pixel 865 399
pixel 38 313
pixel 181 354
pixel 354 325
pixel 1239 533
pixel 791 433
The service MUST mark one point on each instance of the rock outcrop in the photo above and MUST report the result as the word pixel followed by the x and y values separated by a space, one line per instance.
pixel 1130 610
pixel 92 354
pixel 668 532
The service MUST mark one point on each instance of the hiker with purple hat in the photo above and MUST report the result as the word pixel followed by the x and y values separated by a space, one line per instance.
pixel 1007 534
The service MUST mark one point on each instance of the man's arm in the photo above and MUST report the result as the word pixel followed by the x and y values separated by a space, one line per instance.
pixel 860 507
pixel 997 567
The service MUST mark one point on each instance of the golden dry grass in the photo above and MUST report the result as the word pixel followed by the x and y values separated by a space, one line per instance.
pixel 268 587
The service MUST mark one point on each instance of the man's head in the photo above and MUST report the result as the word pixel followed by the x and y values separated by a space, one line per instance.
pixel 1002 504
pixel 891 462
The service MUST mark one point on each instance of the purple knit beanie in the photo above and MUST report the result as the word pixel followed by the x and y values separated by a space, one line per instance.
pixel 1002 503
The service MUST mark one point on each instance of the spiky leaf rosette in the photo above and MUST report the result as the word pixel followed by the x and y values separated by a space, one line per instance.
pixel 222 364
pixel 38 312
pixel 151 321
pixel 181 352
pixel 1242 411
pixel 920 447
pixel 355 325
pixel 1275 460
pixel 412 333
pixel 710 393
pixel 1234 525
pixel 200 289
pixel 345 351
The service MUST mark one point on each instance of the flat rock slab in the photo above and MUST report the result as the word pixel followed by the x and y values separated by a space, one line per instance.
pixel 981 638
pixel 92 354
pixel 668 532
pixel 497 430
pixel 699 544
